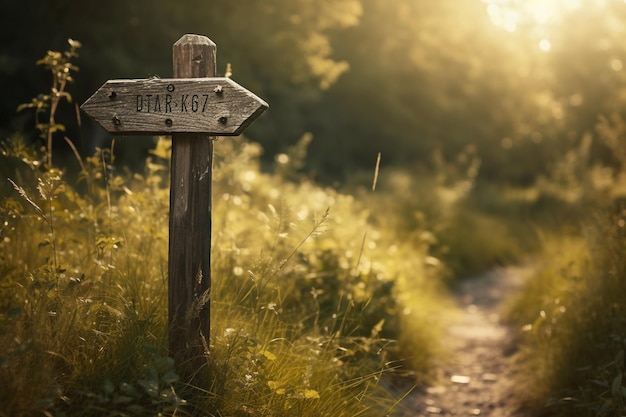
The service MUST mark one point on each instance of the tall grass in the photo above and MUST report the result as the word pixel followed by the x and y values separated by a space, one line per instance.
pixel 312 292
pixel 574 326
pixel 572 314
pixel 307 312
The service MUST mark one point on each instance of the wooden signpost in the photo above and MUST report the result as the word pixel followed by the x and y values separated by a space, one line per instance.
pixel 193 107
pixel 214 106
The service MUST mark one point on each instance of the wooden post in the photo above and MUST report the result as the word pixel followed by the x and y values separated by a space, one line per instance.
pixel 189 269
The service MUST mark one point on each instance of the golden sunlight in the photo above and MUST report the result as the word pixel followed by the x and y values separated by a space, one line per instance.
pixel 512 14
pixel 536 16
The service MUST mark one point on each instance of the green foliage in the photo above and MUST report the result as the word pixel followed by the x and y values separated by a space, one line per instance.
pixel 572 317
pixel 311 291
pixel 572 311
pixel 279 49
pixel 60 65
pixel 305 308
pixel 335 280
pixel 152 394
pixel 465 225
pixel 73 305
pixel 361 76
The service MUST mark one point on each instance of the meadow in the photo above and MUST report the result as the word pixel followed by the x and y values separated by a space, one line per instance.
pixel 311 288
pixel 326 300
pixel 309 294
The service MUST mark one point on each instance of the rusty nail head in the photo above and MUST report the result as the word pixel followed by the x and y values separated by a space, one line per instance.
pixel 168 122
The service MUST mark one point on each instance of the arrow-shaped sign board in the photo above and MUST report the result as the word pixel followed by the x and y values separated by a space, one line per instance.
pixel 162 106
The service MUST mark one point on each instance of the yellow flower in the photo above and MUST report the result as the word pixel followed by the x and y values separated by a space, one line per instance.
pixel 311 394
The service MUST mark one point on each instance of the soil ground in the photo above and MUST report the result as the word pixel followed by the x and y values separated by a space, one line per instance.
pixel 477 380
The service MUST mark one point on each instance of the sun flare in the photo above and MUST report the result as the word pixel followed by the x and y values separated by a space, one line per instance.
pixel 512 14
pixel 536 16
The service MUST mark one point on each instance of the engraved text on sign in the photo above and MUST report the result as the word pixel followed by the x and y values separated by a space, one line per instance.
pixel 215 106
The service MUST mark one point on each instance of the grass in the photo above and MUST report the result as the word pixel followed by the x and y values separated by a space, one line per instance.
pixel 571 314
pixel 310 291
pixel 321 299
pixel 572 320
pixel 311 294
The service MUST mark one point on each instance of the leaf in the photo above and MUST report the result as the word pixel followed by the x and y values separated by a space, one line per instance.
pixel 168 394
pixel 108 387
pixel 603 384
pixel 616 386
pixel 149 348
pixel 44 243
pixel 56 127
pixel 151 386
pixel 108 243
pixel 269 355
pixel 619 360
pixel 25 106
pixel 122 399
pixel 170 377
pixel 136 409
pixel 273 385
pixel 311 394
pixel 74 43
pixel 377 328
pixel 155 167
pixel 605 407
pixel 128 389
pixel 163 149
pixel 14 312
pixel 67 96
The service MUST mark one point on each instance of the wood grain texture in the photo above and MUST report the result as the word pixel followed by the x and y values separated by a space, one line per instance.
pixel 189 268
pixel 214 106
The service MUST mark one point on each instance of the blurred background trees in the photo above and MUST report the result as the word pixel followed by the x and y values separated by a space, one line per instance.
pixel 517 84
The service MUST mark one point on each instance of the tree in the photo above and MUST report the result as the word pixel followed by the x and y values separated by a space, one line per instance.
pixel 279 48
pixel 427 76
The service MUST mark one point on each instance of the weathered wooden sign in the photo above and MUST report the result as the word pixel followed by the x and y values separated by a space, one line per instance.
pixel 193 107
pixel 215 106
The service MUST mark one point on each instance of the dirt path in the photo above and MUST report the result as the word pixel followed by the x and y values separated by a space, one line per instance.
pixel 477 380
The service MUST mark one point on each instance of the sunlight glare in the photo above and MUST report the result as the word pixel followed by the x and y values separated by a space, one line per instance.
pixel 503 17
pixel 616 64
pixel 543 12
pixel 539 16
pixel 545 45
pixel 512 13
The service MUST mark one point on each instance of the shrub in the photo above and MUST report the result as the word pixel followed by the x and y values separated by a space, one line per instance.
pixel 572 312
